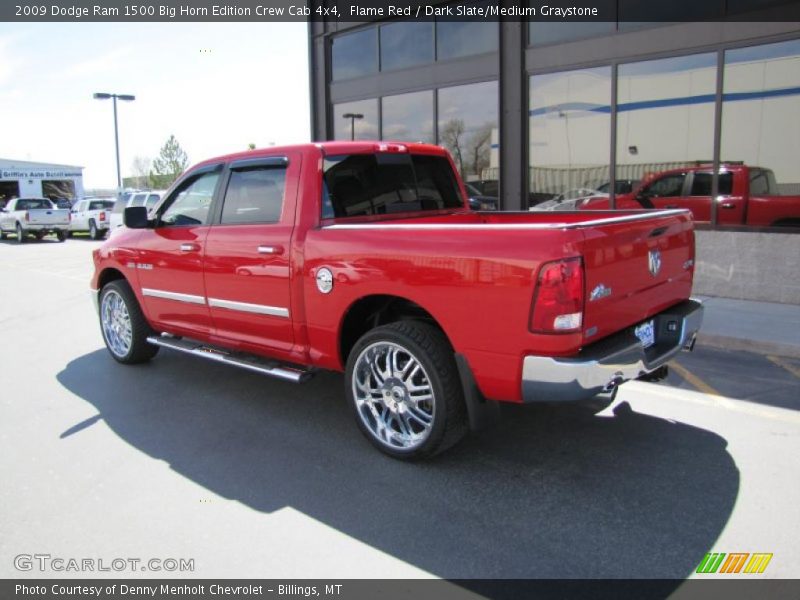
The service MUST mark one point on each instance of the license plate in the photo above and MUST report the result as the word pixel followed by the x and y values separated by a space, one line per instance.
pixel 646 332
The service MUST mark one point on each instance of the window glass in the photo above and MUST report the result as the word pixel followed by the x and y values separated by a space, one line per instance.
pixel 152 200
pixel 455 39
pixel 97 205
pixel 356 120
pixel 665 114
pixel 370 184
pixel 701 184
pixel 139 200
pixel 668 186
pixel 33 204
pixel 191 203
pixel 120 205
pixel 408 117
pixel 761 115
pixel 550 32
pixel 468 129
pixel 406 44
pixel 569 135
pixel 355 54
pixel 254 195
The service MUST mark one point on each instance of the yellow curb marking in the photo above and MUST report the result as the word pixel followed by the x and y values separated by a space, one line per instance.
pixel 782 363
pixel 693 379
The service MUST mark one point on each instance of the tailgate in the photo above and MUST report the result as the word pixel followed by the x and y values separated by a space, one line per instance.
pixel 635 269
pixel 48 216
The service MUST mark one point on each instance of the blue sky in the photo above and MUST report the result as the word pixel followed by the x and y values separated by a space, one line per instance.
pixel 216 87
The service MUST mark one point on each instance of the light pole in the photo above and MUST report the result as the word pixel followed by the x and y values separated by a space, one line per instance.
pixel 127 98
pixel 353 117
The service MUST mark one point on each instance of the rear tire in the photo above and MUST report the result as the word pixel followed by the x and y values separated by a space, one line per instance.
pixel 20 234
pixel 123 325
pixel 94 233
pixel 61 235
pixel 403 387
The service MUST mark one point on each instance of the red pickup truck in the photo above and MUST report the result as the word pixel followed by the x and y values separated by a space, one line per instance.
pixel 364 257
pixel 747 196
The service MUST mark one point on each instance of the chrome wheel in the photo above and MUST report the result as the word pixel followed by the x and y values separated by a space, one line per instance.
pixel 393 396
pixel 116 322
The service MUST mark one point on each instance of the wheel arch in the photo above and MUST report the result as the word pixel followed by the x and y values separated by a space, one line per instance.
pixel 374 310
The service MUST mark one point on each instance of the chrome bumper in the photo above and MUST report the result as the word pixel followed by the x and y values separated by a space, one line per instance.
pixel 609 362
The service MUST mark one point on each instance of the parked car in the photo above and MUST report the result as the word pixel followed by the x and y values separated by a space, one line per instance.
pixel 478 201
pixel 37 216
pixel 364 257
pixel 621 186
pixel 91 215
pixel 147 199
pixel 62 202
pixel 747 196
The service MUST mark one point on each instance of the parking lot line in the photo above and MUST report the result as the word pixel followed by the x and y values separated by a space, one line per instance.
pixel 782 363
pixel 693 379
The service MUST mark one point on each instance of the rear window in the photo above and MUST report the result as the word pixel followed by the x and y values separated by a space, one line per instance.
pixel 380 184
pixel 762 183
pixel 101 204
pixel 33 204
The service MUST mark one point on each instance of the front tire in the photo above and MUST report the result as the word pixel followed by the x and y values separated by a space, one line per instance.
pixel 403 387
pixel 123 325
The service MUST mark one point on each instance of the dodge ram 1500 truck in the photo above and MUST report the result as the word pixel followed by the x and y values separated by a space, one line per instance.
pixel 364 257
pixel 747 196
pixel 33 215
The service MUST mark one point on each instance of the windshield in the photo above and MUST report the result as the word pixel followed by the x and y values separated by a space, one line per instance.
pixel 374 184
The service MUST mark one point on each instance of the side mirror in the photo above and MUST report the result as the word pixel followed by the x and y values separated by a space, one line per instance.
pixel 135 217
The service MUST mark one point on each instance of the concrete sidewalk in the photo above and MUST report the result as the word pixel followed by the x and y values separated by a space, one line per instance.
pixel 761 327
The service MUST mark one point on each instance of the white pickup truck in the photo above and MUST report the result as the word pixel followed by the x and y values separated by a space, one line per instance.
pixel 92 215
pixel 36 216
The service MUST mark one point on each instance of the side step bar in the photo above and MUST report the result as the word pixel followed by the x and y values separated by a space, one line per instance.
pixel 241 360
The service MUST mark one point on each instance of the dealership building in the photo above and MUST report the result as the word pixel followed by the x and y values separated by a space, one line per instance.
pixel 545 107
pixel 530 110
pixel 20 178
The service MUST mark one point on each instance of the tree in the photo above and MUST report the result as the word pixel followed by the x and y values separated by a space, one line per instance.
pixel 251 146
pixel 140 167
pixel 480 145
pixel 171 162
pixel 451 136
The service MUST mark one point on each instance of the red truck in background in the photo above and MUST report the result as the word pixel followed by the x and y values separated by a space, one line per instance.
pixel 747 196
pixel 364 257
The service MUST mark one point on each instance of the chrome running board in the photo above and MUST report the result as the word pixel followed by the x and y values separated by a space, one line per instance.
pixel 249 362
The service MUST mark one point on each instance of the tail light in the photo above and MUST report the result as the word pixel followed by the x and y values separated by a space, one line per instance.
pixel 27 216
pixel 558 298
pixel 102 216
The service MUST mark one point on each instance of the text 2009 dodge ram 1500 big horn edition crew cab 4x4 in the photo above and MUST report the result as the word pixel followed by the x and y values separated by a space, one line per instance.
pixel 364 257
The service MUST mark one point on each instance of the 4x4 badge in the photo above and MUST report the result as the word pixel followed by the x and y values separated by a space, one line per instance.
pixel 654 261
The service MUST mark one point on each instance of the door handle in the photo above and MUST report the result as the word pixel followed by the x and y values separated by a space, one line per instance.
pixel 728 205
pixel 189 247
pixel 274 250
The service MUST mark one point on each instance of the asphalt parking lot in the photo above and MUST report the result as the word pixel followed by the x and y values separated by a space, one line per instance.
pixel 253 477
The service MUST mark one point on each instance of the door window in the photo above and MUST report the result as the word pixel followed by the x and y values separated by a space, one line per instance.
pixel 701 184
pixel 254 195
pixel 190 203
pixel 667 187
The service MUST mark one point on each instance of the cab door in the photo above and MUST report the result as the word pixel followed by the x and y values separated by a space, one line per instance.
pixel 78 216
pixel 170 256
pixel 247 256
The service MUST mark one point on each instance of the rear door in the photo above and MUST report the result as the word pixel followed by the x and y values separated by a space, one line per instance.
pixel 247 257
pixel 170 260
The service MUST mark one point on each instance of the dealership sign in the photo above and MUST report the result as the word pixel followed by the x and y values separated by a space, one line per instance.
pixel 39 174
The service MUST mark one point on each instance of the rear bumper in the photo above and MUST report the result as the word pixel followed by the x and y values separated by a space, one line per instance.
pixel 41 227
pixel 609 362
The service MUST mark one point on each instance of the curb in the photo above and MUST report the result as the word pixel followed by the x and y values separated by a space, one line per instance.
pixel 755 346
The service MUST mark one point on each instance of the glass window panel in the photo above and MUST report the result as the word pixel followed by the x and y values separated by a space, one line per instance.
pixel 355 54
pixel 761 115
pixel 361 125
pixel 569 136
pixel 191 203
pixel 665 120
pixel 406 45
pixel 465 38
pixel 468 129
pixel 254 196
pixel 408 117
pixel 549 32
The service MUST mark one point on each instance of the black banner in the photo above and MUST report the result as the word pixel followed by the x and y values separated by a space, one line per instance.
pixel 558 11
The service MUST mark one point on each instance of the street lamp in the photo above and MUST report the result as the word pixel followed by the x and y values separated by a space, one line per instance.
pixel 127 98
pixel 353 117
